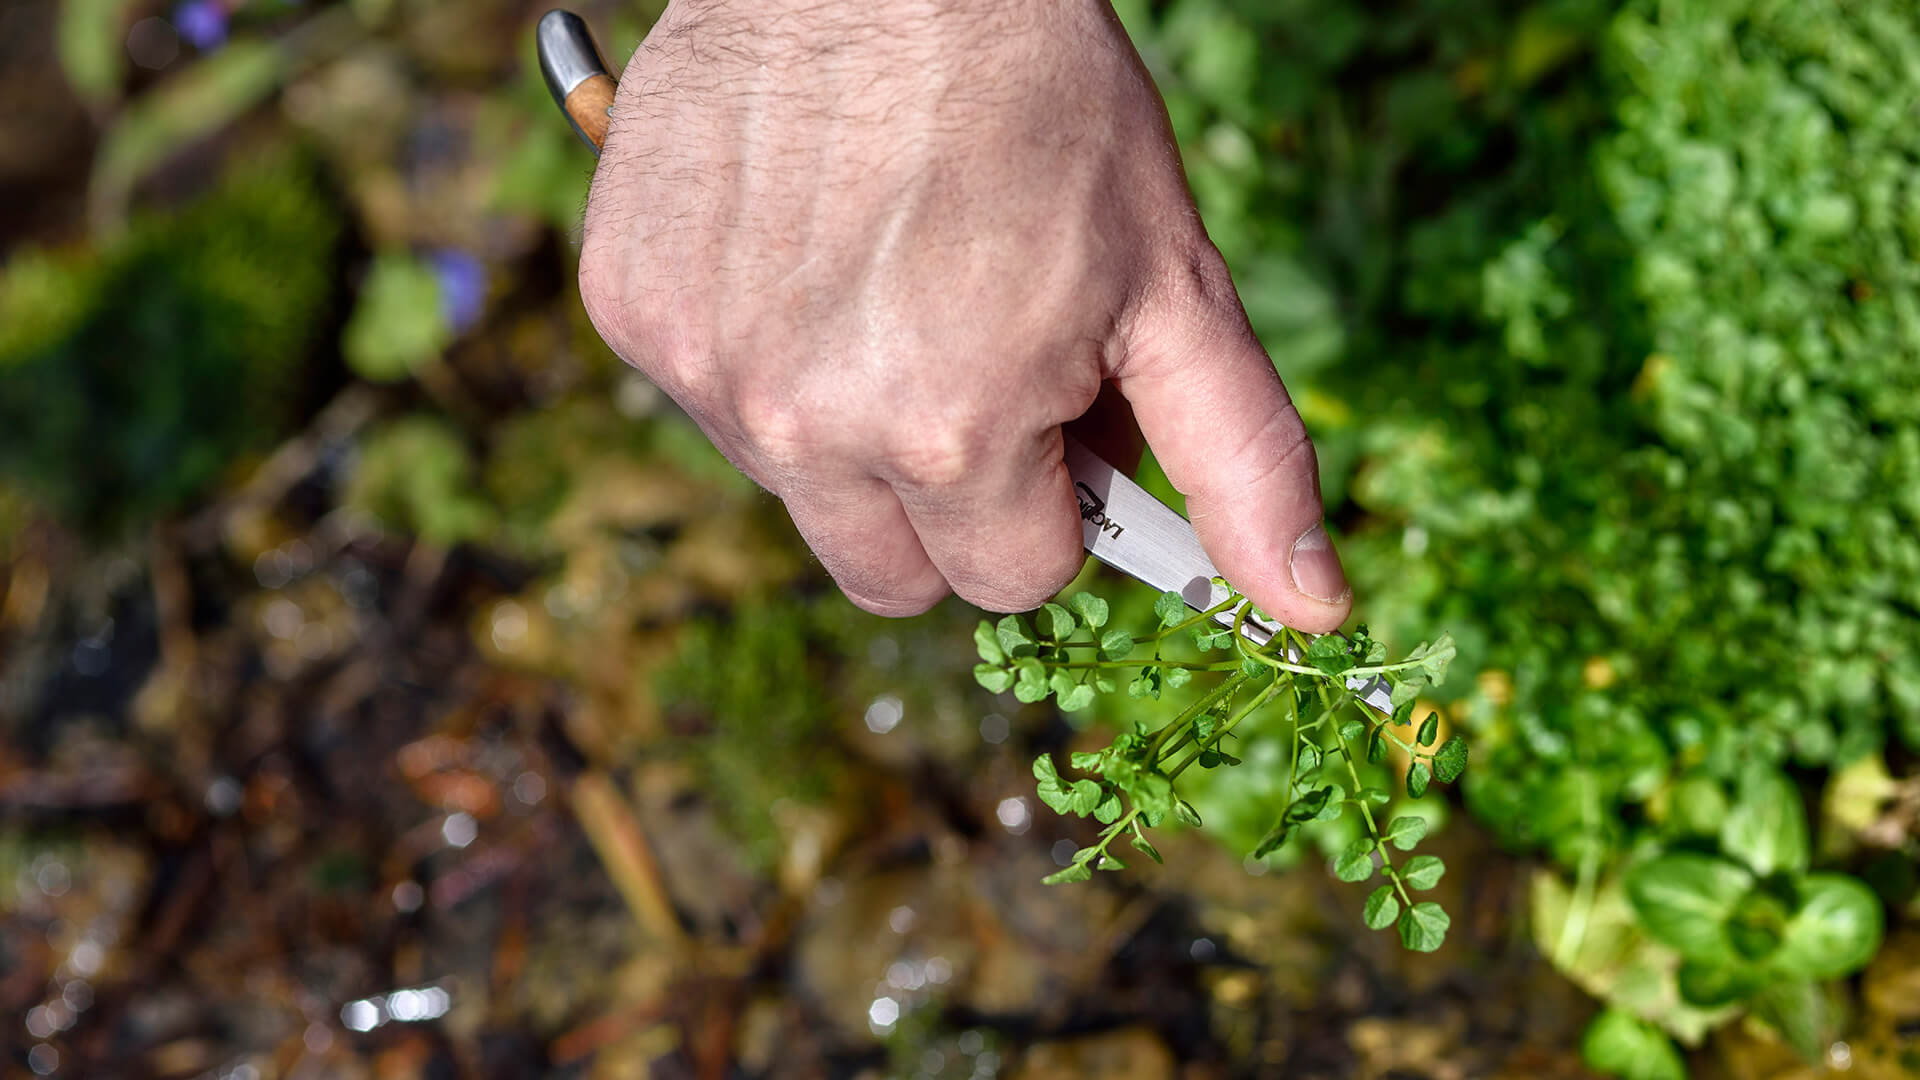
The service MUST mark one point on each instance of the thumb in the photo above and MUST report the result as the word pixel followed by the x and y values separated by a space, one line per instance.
pixel 1222 426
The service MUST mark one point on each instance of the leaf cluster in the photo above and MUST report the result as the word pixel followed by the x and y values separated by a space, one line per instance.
pixel 1302 685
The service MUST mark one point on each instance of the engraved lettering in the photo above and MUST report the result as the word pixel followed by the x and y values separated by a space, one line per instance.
pixel 1093 509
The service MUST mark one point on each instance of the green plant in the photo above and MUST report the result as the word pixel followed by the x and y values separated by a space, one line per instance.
pixel 134 376
pixel 1603 316
pixel 1069 652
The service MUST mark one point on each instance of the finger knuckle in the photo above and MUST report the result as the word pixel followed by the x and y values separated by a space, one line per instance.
pixel 1197 282
pixel 1039 575
pixel 646 330
pixel 941 455
pixel 772 420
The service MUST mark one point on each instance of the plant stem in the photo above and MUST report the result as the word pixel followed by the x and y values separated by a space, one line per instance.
pixel 1221 732
pixel 1185 720
pixel 1195 619
pixel 1366 811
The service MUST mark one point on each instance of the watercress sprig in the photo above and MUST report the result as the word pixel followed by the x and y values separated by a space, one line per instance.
pixel 1298 683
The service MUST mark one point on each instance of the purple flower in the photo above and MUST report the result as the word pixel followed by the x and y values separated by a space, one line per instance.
pixel 202 22
pixel 463 287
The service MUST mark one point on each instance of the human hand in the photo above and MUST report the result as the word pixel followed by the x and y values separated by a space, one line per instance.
pixel 882 251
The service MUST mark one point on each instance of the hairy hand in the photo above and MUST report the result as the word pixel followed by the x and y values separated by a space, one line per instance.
pixel 882 251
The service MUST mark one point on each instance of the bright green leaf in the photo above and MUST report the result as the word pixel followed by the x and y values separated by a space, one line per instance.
pixel 1382 908
pixel 1355 862
pixel 1050 789
pixel 1620 1044
pixel 1056 622
pixel 1405 832
pixel 1836 930
pixel 1684 900
pixel 1078 871
pixel 1766 827
pixel 995 679
pixel 1030 680
pixel 1015 636
pixel 1170 609
pixel 1116 645
pixel 987 642
pixel 1417 776
pixel 1450 760
pixel 1093 610
pixel 1146 846
pixel 1423 871
pixel 1423 927
pixel 1084 797
pixel 1309 757
pixel 1329 654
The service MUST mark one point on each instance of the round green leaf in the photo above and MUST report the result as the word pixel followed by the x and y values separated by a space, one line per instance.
pixel 1356 862
pixel 1423 927
pixel 1623 1045
pixel 1170 609
pixel 1836 930
pixel 1056 622
pixel 995 679
pixel 1417 776
pixel 1683 900
pixel 1405 832
pixel 1766 828
pixel 1015 637
pixel 1381 909
pixel 1423 871
pixel 1093 610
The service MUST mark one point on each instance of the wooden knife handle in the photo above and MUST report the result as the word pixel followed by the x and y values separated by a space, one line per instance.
pixel 576 74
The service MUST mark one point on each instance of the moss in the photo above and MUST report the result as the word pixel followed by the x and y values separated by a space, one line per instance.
pixel 134 376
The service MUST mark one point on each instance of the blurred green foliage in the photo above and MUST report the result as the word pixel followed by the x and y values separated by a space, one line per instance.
pixel 136 374
pixel 1604 318
pixel 753 702
pixel 416 475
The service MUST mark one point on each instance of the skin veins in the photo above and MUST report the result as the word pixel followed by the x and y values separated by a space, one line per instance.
pixel 882 252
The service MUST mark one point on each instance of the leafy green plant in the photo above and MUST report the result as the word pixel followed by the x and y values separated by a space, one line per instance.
pixel 1070 653
pixel 1753 923
pixel 1603 315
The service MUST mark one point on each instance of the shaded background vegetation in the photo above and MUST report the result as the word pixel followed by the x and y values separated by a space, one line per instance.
pixel 395 685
